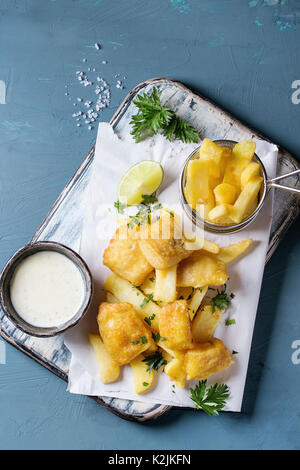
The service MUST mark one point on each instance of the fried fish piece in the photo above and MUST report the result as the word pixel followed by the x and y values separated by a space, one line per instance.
pixel 175 325
pixel 201 269
pixel 164 244
pixel 123 332
pixel 206 359
pixel 125 258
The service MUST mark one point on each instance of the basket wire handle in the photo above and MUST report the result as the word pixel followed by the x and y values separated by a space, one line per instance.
pixel 279 186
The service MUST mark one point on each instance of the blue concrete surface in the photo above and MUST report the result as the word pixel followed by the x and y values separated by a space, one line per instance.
pixel 242 54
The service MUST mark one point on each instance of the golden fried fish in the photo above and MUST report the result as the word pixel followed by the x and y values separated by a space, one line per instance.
pixel 164 245
pixel 125 258
pixel 206 359
pixel 123 332
pixel 175 325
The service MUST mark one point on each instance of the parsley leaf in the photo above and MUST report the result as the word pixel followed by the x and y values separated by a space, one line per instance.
pixel 154 117
pixel 221 300
pixel 149 199
pixel 230 322
pixel 145 384
pixel 149 320
pixel 234 352
pixel 147 299
pixel 144 340
pixel 212 399
pixel 154 361
pixel 156 337
pixel 135 342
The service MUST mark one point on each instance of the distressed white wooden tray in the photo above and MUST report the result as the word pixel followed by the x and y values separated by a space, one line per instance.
pixel 63 222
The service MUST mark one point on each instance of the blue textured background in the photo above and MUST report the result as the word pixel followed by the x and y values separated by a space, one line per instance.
pixel 242 54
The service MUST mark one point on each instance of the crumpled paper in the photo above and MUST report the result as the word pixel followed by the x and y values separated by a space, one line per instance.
pixel 113 157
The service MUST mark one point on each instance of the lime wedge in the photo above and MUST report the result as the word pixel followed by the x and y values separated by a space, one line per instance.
pixel 144 177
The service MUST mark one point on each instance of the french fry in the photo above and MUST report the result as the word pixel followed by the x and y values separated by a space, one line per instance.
pixel 225 193
pixel 110 298
pixel 221 214
pixel 245 200
pixel 197 183
pixel 230 252
pixel 165 284
pixel 251 171
pixel 142 378
pixel 175 370
pixel 242 155
pixel 126 292
pixel 109 370
pixel 197 243
pixel 149 285
pixel 205 323
pixel 196 300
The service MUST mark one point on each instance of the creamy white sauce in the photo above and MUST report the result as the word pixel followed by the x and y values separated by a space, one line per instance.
pixel 47 289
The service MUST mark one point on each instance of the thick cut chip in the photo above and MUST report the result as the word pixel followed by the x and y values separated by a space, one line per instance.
pixel 198 243
pixel 206 359
pixel 242 155
pixel 201 270
pixel 164 247
pixel 251 171
pixel 175 370
pixel 125 258
pixel 211 153
pixel 126 292
pixel 124 334
pixel 165 285
pixel 245 200
pixel 230 252
pixel 109 369
pixel 195 302
pixel 203 209
pixel 225 193
pixel 175 325
pixel 142 378
pixel 221 214
pixel 204 324
pixel 148 285
pixel 197 187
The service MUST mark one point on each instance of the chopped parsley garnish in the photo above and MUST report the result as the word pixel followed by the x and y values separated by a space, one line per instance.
pixel 149 320
pixel 221 300
pixel 212 399
pixel 146 300
pixel 119 206
pixel 154 361
pixel 156 337
pixel 149 199
pixel 144 340
pixel 135 342
pixel 234 352
pixel 152 279
pixel 145 384
pixel 230 322
pixel 139 219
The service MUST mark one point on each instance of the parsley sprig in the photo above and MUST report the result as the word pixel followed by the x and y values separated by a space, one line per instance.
pixel 212 399
pixel 154 117
pixel 154 361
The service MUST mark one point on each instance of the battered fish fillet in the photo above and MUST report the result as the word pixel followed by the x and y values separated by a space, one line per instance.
pixel 164 246
pixel 206 359
pixel 200 270
pixel 123 332
pixel 125 258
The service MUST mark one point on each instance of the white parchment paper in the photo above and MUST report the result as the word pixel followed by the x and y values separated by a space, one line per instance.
pixel 113 157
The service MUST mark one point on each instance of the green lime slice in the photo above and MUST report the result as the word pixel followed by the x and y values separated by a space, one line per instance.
pixel 144 177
